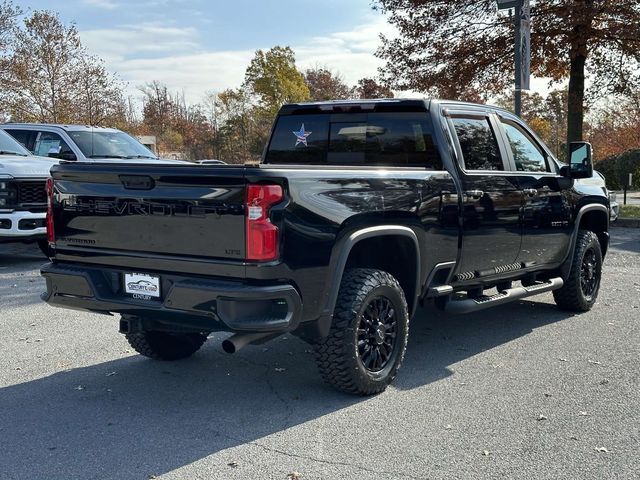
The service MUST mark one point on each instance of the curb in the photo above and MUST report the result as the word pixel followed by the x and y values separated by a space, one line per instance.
pixel 627 223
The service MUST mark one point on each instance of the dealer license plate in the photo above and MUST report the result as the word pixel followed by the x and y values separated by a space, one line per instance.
pixel 141 285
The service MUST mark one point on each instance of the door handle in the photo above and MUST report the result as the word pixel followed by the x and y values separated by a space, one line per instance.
pixel 474 193
pixel 531 192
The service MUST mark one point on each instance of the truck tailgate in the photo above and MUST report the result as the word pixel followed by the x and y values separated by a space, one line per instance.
pixel 187 211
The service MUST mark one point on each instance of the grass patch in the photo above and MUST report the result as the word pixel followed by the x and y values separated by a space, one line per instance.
pixel 630 211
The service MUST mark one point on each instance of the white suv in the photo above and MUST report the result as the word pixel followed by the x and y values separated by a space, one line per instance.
pixel 78 142
pixel 23 195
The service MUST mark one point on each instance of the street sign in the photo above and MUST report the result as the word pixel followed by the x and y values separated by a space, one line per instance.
pixel 522 21
pixel 626 179
pixel 525 45
pixel 506 4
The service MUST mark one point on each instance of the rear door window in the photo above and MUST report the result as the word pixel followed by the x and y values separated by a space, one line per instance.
pixel 49 143
pixel 379 139
pixel 478 143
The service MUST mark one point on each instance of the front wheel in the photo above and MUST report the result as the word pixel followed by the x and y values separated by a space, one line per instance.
pixel 581 288
pixel 368 336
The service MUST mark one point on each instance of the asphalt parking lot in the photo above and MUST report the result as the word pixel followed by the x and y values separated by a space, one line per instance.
pixel 520 391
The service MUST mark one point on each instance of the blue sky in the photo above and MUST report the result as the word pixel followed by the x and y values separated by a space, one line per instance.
pixel 197 45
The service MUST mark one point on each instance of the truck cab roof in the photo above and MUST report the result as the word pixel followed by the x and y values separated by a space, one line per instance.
pixel 63 126
pixel 381 105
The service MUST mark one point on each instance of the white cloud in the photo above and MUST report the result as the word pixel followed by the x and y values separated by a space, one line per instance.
pixel 106 4
pixel 130 41
pixel 174 56
pixel 192 74
pixel 350 53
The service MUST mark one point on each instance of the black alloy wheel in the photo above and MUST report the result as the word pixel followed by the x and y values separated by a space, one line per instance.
pixel 589 274
pixel 376 334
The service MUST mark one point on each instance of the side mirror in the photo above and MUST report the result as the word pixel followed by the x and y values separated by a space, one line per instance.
pixel 67 156
pixel 580 160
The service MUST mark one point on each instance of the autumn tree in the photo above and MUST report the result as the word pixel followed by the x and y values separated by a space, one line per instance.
pixel 446 47
pixel 8 14
pixel 47 75
pixel 324 84
pixel 238 129
pixel 98 96
pixel 547 116
pixel 370 88
pixel 157 107
pixel 614 127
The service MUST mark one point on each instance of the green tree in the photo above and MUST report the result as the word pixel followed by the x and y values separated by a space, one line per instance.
pixel 241 134
pixel 273 78
pixel 446 47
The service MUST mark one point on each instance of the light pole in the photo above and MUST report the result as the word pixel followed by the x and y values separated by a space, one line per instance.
pixel 522 19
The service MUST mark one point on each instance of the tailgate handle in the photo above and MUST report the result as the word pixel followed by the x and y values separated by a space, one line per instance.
pixel 137 182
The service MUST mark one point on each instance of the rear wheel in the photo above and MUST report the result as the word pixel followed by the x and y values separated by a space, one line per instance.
pixel 581 288
pixel 368 336
pixel 166 345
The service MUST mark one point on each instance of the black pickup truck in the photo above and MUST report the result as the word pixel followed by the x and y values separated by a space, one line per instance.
pixel 359 212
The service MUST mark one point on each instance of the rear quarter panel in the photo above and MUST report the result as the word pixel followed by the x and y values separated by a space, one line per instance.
pixel 326 204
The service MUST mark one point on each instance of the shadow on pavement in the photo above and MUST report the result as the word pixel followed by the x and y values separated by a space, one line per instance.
pixel 20 255
pixel 134 417
pixel 20 281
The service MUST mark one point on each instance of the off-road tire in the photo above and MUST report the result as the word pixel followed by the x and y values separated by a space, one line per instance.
pixel 571 297
pixel 337 356
pixel 165 345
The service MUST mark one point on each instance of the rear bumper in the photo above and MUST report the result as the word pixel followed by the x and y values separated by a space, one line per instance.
pixel 186 302
pixel 17 226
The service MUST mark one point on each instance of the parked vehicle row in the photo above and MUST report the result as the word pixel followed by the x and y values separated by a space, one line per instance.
pixel 27 153
pixel 78 142
pixel 23 197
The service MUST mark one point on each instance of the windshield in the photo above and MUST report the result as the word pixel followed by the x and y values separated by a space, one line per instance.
pixel 99 144
pixel 10 146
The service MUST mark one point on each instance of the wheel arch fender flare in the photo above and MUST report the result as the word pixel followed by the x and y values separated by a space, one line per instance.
pixel 594 207
pixel 339 259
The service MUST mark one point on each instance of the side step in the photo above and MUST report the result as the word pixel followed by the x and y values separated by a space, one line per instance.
pixel 469 305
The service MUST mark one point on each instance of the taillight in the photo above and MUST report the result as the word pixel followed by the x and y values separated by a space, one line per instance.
pixel 51 236
pixel 262 235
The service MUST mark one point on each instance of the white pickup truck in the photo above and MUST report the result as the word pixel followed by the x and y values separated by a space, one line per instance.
pixel 23 196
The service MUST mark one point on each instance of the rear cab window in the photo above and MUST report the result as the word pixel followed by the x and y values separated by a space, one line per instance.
pixel 375 139
pixel 478 143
